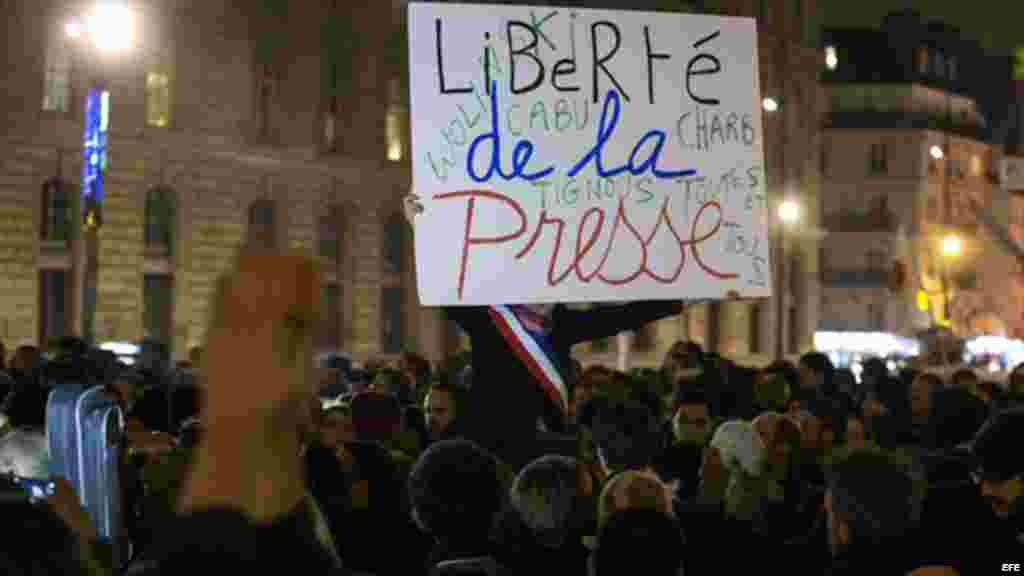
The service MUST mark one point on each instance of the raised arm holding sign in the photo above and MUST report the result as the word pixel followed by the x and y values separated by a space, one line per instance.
pixel 545 178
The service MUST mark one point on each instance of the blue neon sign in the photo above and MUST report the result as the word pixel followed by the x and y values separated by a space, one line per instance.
pixel 94 152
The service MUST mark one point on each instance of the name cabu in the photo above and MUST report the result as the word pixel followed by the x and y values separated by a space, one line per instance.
pixel 646 153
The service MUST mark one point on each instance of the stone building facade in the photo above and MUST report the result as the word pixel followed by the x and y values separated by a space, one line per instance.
pixel 221 130
pixel 911 156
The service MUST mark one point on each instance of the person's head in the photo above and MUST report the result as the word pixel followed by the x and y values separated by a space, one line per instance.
pixel 441 406
pixel 966 379
pixel 454 490
pixel 634 538
pixel 860 512
pixel 986 391
pixel 25 359
pixel 999 467
pixel 633 490
pixel 691 424
pixel 816 372
pixel 922 390
pixel 395 383
pixel 772 392
pixel 627 435
pixel 1015 386
pixel 856 436
pixel 680 357
pixel 874 372
pixel 544 495
pixel 336 426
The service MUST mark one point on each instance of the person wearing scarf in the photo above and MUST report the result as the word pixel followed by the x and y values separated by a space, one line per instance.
pixel 523 373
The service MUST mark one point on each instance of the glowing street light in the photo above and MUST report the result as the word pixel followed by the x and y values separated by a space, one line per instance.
pixel 110 27
pixel 951 246
pixel 831 58
pixel 937 153
pixel 770 104
pixel 789 212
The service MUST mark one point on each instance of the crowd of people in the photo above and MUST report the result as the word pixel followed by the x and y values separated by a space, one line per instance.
pixel 703 467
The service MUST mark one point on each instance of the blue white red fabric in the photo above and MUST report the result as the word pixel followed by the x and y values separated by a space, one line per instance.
pixel 525 333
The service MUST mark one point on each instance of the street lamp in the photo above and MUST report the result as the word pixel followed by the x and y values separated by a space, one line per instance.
pixel 951 246
pixel 106 30
pixel 770 104
pixel 789 215
pixel 831 58
pixel 937 152
pixel 789 212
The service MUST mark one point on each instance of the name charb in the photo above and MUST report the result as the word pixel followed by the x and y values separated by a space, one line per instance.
pixel 703 128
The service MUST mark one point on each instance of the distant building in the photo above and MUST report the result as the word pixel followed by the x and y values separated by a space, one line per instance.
pixel 229 124
pixel 911 152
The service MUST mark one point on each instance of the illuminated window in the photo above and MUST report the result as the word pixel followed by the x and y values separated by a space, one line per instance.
pixel 160 215
pixel 57 79
pixel 976 165
pixel 394 136
pixel 394 125
pixel 158 99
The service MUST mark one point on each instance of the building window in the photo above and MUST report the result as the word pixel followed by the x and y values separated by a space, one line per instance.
pixel 878 162
pixel 394 232
pixel 161 214
pixel 754 328
pixel 331 234
pixel 157 314
pixel 876 260
pixel 951 68
pixel 395 122
pixel 330 301
pixel 794 330
pixel 57 212
pixel 57 79
pixel 262 224
pixel 54 293
pixel 158 99
pixel 265 91
pixel 391 321
pixel 759 10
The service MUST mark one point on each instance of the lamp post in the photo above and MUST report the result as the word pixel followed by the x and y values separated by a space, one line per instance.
pixel 789 215
pixel 105 31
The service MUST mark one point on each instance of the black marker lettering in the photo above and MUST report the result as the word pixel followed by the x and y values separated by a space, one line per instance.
pixel 440 64
pixel 651 57
pixel 523 52
pixel 692 70
pixel 599 61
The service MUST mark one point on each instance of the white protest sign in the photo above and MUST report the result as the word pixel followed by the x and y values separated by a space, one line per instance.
pixel 567 155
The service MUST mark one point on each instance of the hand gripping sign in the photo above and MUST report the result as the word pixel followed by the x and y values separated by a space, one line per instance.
pixel 569 155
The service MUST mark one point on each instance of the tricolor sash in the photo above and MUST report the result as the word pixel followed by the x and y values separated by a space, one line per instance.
pixel 531 345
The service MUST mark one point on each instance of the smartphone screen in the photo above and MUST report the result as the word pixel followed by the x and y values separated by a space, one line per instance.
pixel 36 488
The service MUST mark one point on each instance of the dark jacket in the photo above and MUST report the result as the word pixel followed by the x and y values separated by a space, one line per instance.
pixel 227 539
pixel 505 401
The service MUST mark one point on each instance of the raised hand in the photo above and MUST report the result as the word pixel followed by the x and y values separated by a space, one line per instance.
pixel 411 207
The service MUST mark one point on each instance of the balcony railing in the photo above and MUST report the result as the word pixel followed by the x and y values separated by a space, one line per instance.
pixel 866 221
pixel 899 119
pixel 854 277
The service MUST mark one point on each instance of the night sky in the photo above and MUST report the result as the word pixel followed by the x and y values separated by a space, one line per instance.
pixel 998 23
